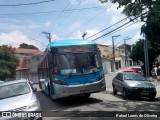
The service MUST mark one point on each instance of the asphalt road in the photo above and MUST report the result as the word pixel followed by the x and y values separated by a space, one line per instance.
pixel 104 101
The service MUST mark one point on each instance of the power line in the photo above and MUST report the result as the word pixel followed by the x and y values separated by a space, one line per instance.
pixel 118 42
pixel 111 31
pixel 108 27
pixel 60 16
pixel 63 17
pixel 91 19
pixel 121 29
pixel 118 27
pixel 25 4
pixel 54 11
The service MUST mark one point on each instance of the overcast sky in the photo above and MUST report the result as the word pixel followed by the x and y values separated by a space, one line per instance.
pixel 64 19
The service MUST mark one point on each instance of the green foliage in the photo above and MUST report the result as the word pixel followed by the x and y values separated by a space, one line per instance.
pixel 133 8
pixel 8 63
pixel 150 29
pixel 137 53
pixel 26 46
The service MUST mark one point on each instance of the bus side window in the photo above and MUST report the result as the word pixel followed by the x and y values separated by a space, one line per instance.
pixel 96 60
pixel 56 64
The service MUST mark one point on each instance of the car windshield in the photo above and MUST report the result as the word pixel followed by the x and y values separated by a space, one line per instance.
pixel 13 90
pixel 133 76
pixel 77 63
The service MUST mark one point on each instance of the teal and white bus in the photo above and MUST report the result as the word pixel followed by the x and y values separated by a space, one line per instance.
pixel 71 67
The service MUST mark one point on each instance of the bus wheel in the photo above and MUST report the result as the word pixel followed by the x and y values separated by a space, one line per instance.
pixel 87 95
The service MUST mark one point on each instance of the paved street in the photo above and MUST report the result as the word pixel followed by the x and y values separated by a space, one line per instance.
pixel 104 101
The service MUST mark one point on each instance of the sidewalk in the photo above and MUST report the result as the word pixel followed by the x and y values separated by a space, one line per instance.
pixel 157 88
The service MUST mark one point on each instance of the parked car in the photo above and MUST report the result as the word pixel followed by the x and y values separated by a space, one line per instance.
pixel 133 84
pixel 18 95
pixel 1 81
pixel 130 70
pixel 138 70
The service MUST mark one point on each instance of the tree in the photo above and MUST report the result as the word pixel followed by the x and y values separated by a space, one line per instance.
pixel 134 8
pixel 147 11
pixel 8 63
pixel 152 28
pixel 137 53
pixel 26 46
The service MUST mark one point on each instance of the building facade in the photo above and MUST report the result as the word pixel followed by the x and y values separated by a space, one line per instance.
pixel 28 63
pixel 121 60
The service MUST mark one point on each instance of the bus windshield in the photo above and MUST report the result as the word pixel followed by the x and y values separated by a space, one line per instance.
pixel 77 63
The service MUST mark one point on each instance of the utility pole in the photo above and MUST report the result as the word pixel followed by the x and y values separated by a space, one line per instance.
pixel 48 36
pixel 113 52
pixel 146 58
pixel 51 65
pixel 125 51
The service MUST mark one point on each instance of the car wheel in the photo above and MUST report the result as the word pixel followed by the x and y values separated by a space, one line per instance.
pixel 87 95
pixel 152 98
pixel 124 94
pixel 114 90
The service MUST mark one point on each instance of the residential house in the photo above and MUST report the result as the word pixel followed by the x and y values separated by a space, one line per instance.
pixel 120 57
pixel 28 63
pixel 106 60
pixel 126 49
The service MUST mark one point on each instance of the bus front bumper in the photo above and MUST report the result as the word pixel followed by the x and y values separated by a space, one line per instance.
pixel 71 90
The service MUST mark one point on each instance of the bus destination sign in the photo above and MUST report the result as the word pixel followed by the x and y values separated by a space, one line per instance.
pixel 76 49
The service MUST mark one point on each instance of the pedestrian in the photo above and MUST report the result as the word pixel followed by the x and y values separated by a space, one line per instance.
pixel 158 73
pixel 154 75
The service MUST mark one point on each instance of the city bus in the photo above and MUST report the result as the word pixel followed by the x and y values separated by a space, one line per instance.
pixel 71 67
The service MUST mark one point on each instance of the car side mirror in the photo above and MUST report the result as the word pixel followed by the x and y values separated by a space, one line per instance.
pixel 34 89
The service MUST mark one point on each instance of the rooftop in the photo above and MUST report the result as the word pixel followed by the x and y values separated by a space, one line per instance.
pixel 31 51
pixel 67 42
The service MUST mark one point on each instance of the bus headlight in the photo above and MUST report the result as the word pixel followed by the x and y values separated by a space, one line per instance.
pixel 101 76
pixel 60 82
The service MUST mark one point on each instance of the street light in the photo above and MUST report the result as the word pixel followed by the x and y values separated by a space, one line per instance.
pixel 48 35
pixel 113 63
pixel 84 34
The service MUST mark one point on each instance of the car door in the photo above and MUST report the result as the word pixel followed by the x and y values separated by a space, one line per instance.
pixel 120 82
pixel 117 81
